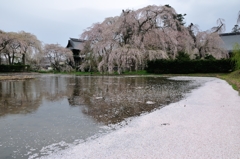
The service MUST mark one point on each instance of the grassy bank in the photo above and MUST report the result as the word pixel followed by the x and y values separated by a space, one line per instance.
pixel 233 79
pixel 15 77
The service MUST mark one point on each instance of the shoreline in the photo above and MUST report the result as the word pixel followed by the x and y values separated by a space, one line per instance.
pixel 205 124
pixel 15 77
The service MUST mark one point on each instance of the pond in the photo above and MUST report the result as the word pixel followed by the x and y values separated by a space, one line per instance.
pixel 54 112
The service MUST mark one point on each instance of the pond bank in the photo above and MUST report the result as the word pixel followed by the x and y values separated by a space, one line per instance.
pixel 3 78
pixel 17 76
pixel 206 124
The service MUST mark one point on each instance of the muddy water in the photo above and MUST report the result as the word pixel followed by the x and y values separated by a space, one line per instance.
pixel 61 111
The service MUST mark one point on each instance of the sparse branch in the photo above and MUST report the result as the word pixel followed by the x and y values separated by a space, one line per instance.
pixel 221 26
pixel 238 19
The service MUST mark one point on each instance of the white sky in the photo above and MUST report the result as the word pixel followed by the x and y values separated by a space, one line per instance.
pixel 54 21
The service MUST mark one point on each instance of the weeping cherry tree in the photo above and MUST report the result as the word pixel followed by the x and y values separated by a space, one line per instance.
pixel 153 32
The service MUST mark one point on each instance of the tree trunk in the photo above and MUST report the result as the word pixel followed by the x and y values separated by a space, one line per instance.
pixel 23 59
pixel 9 59
pixel 12 59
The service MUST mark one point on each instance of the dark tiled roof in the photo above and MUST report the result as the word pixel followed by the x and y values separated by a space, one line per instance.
pixel 77 40
pixel 76 44
pixel 229 34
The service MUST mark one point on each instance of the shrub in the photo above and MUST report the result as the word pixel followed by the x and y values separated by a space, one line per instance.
pixel 236 56
pixel 182 56
pixel 191 66
pixel 14 68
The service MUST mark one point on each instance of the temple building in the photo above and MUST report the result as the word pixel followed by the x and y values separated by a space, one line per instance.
pixel 76 45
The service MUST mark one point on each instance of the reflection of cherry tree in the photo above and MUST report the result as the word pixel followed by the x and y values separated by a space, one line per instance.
pixel 56 88
pixel 18 98
pixel 23 97
pixel 111 99
pixel 106 99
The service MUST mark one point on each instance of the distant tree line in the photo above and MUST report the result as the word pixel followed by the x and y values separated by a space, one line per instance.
pixel 23 48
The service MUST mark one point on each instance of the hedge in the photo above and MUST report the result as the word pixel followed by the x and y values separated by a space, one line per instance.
pixel 191 66
pixel 14 68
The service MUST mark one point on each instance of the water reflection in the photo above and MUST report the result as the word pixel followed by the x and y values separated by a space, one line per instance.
pixel 106 99
pixel 18 98
pixel 22 97
pixel 111 100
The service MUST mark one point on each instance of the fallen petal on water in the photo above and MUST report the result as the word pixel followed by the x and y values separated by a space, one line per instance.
pixel 150 102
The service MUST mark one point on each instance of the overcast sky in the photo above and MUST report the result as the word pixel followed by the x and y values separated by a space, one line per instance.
pixel 55 21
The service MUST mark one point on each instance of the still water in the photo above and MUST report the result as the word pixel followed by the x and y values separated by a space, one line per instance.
pixel 53 112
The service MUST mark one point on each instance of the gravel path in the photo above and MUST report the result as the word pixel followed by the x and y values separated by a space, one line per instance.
pixel 205 125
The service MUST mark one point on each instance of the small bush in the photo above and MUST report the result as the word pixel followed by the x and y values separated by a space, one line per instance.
pixel 182 56
pixel 236 56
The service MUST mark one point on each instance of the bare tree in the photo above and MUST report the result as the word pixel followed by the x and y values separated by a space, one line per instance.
pixel 59 57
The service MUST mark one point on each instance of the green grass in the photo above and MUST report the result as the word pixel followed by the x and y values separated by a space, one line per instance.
pixel 87 73
pixel 140 72
pixel 46 71
pixel 233 79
